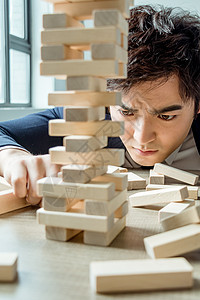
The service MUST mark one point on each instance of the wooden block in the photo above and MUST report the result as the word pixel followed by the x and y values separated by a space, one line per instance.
pixel 156 178
pixel 109 51
pixel 85 98
pixel 84 143
pixel 120 180
pixel 4 185
pixel 8 267
pixel 174 194
pixel 98 157
pixel 83 11
pixel 192 190
pixel 60 20
pixel 81 36
pixel 130 275
pixel 188 216
pixel 72 220
pixel 9 202
pixel 81 173
pixel 135 182
pixel 173 242
pixel 114 169
pixel 110 18
pixel 86 83
pixel 104 238
pixel 60 234
pixel 173 208
pixel 84 113
pixel 176 173
pixel 105 208
pixel 55 187
pixel 124 42
pixel 79 67
pixel 121 211
pixel 59 52
pixel 58 204
pixel 59 127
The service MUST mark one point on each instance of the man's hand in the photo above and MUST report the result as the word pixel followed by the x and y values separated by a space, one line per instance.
pixel 22 170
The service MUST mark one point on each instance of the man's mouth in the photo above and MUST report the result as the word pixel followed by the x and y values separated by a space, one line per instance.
pixel 146 152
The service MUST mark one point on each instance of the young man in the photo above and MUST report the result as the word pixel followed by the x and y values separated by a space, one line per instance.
pixel 160 105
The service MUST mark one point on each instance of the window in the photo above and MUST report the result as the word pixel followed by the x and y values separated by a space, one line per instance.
pixel 15 53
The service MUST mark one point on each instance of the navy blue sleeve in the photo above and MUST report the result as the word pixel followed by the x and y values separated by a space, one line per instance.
pixel 31 132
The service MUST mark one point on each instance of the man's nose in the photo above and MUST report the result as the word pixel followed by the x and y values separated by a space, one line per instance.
pixel 144 131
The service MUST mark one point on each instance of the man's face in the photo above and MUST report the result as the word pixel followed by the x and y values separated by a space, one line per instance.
pixel 156 120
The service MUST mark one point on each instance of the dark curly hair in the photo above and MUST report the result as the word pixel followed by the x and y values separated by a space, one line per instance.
pixel 163 42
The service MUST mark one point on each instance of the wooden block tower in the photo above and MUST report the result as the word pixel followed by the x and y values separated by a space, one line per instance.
pixel 84 197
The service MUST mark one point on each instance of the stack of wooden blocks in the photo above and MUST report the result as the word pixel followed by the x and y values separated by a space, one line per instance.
pixel 84 197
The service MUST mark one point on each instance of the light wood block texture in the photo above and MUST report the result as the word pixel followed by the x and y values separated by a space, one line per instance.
pixel 81 173
pixel 114 169
pixel 58 204
pixel 104 238
pixel 174 208
pixel 99 157
pixel 86 83
pixel 110 18
pixel 84 143
pixel 109 51
pixel 8 267
pixel 173 242
pixel 72 220
pixel 85 98
pixel 55 187
pixel 79 67
pixel 120 180
pixel 84 114
pixel 140 275
pixel 176 173
pixel 59 127
pixel 60 52
pixel 135 182
pixel 60 20
pixel 188 216
pixel 60 234
pixel 83 11
pixel 156 178
pixel 173 194
pixel 192 190
pixel 9 202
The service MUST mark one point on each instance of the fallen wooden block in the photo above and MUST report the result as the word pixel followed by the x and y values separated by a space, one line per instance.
pixel 81 173
pixel 97 128
pixel 55 187
pixel 84 114
pixel 60 52
pixel 104 238
pixel 110 18
pixel 86 83
pixel 105 208
pixel 156 178
pixel 135 182
pixel 60 234
pixel 192 190
pixel 84 143
pixel 78 67
pixel 109 51
pixel 176 173
pixel 130 275
pixel 188 216
pixel 115 169
pixel 71 220
pixel 8 267
pixel 83 11
pixel 173 242
pixel 60 20
pixel 174 194
pixel 174 208
pixel 120 180
pixel 98 157
pixel 81 36
pixel 9 202
pixel 85 98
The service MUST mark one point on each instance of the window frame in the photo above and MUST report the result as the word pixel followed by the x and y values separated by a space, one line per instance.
pixel 19 44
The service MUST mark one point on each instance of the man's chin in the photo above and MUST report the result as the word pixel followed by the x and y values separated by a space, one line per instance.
pixel 146 161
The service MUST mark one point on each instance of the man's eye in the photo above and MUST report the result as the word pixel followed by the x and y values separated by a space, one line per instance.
pixel 126 112
pixel 166 117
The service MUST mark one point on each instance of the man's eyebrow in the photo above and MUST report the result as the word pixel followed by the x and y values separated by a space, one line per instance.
pixel 124 106
pixel 167 109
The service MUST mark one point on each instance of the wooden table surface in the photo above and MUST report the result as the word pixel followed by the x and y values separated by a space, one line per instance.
pixel 57 270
